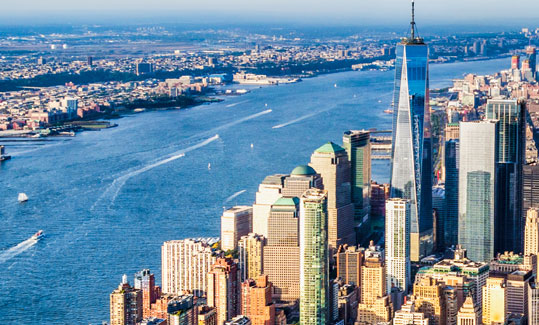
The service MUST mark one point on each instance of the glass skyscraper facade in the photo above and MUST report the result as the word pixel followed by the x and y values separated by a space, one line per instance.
pixel 451 217
pixel 411 170
pixel 314 260
pixel 477 188
pixel 357 145
pixel 509 160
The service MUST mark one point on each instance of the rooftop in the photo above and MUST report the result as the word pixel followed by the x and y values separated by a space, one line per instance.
pixel 287 201
pixel 303 170
pixel 329 147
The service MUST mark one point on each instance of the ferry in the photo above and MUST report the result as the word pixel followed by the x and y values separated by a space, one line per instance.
pixel 38 235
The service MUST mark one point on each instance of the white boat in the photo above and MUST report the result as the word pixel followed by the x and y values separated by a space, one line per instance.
pixel 22 197
pixel 209 165
pixel 335 85
pixel 38 235
pixel 252 146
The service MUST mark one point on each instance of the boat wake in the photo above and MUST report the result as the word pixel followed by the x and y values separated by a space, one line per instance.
pixel 235 195
pixel 299 119
pixel 16 250
pixel 235 104
pixel 241 120
pixel 114 189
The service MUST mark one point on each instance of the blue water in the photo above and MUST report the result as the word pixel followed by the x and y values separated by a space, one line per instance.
pixel 107 200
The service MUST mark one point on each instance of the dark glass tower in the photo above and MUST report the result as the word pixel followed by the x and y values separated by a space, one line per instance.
pixel 411 158
pixel 511 146
pixel 357 145
pixel 451 220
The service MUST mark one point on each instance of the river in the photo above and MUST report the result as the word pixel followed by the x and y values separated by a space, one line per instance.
pixel 107 200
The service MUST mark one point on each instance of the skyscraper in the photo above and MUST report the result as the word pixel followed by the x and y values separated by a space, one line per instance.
pixel 450 222
pixel 530 195
pixel 314 261
pixel 469 313
pixel 494 300
pixel 532 57
pixel 409 316
pixel 185 264
pixel 531 233
pixel 235 223
pixel 533 303
pixel 250 253
pixel 302 178
pixel 224 289
pixel 429 299
pixel 411 168
pixel 145 281
pixel 125 304
pixel 357 145
pixel 268 192
pixel 349 262
pixel 256 301
pixel 509 160
pixel 281 252
pixel 397 239
pixel 331 161
pixel 477 188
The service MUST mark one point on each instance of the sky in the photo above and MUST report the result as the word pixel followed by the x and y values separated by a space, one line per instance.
pixel 504 12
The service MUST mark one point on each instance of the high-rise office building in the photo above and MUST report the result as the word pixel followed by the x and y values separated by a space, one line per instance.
pixel 185 264
pixel 530 180
pixel 469 313
pixel 515 62
pixel 494 301
pixel 531 233
pixel 429 298
pixel 439 216
pixel 477 188
pixel 235 223
pixel 531 52
pixel 331 161
pixel 397 240
pixel 467 276
pixel 224 289
pixel 281 252
pixel 452 131
pixel 357 145
pixel 411 157
pixel 509 161
pixel 268 192
pixel 250 254
pixel 256 301
pixel 125 304
pixel 451 218
pixel 349 262
pixel 302 178
pixel 533 302
pixel 314 260
pixel 409 316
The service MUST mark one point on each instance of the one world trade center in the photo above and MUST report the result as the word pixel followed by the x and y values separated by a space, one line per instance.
pixel 411 157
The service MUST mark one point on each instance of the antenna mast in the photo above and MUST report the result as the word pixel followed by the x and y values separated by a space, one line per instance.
pixel 412 23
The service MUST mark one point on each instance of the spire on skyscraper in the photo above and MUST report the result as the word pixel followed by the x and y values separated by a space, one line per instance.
pixel 414 35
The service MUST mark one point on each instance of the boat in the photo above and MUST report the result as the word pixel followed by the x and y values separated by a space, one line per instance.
pixel 209 165
pixel 335 85
pixel 4 157
pixel 388 111
pixel 252 146
pixel 22 197
pixel 38 235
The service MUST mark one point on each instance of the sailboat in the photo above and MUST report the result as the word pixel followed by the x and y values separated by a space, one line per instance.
pixel 22 197
pixel 209 166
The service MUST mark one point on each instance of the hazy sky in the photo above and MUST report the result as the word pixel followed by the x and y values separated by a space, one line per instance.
pixel 506 12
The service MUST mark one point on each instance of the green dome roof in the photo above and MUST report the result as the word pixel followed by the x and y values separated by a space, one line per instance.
pixel 330 147
pixel 287 201
pixel 303 170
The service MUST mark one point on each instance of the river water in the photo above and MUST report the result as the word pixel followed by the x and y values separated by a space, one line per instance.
pixel 107 200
